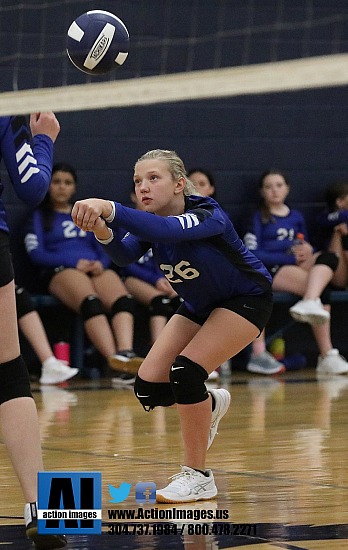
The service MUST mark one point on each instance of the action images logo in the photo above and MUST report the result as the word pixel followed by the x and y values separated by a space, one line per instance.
pixel 69 503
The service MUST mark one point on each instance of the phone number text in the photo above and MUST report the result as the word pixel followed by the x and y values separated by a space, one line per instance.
pixel 154 529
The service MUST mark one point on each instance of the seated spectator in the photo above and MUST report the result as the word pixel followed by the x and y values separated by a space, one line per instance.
pixel 334 223
pixel 203 181
pixel 297 269
pixel 75 269
pixel 53 371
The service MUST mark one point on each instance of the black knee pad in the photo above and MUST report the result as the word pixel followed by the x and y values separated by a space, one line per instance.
pixel 14 380
pixel 344 240
pixel 161 305
pixel 328 258
pixel 125 303
pixel 187 381
pixel 24 303
pixel 91 307
pixel 153 394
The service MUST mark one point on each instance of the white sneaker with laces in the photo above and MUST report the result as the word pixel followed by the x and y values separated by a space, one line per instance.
pixel 55 371
pixel 332 363
pixel 265 363
pixel 309 311
pixel 222 402
pixel 123 380
pixel 188 486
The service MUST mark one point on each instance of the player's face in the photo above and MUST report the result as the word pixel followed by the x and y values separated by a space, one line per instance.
pixel 274 189
pixel 156 190
pixel 62 188
pixel 342 203
pixel 202 184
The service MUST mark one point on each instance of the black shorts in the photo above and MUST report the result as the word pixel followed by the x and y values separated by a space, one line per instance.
pixel 6 267
pixel 255 308
pixel 46 275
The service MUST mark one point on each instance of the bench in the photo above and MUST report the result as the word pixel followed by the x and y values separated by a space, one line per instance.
pixel 77 337
pixel 336 296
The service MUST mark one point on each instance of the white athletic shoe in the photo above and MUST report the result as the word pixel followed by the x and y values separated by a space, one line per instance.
pixel 309 311
pixel 123 380
pixel 188 486
pixel 332 363
pixel 222 402
pixel 55 371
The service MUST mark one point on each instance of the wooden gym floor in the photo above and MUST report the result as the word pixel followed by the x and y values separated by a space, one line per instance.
pixel 279 462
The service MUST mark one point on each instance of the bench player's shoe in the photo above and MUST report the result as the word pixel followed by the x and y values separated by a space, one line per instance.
pixel 125 361
pixel 222 402
pixel 309 311
pixel 41 542
pixel 265 363
pixel 332 363
pixel 55 371
pixel 189 485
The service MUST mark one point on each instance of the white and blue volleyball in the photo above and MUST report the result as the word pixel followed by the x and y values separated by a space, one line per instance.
pixel 97 42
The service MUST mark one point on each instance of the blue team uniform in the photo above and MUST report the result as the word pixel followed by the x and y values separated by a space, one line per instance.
pixel 145 269
pixel 199 252
pixel 28 162
pixel 326 221
pixel 63 244
pixel 271 242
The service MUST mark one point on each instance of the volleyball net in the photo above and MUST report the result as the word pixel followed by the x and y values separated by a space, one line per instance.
pixel 179 50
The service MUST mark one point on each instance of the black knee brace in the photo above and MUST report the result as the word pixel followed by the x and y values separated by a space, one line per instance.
pixel 91 307
pixel 344 240
pixel 161 305
pixel 14 380
pixel 153 394
pixel 328 258
pixel 24 302
pixel 125 303
pixel 187 381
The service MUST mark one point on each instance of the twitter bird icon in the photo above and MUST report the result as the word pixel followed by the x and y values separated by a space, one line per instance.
pixel 119 494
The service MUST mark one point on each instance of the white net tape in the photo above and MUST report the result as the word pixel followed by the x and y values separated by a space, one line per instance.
pixel 314 72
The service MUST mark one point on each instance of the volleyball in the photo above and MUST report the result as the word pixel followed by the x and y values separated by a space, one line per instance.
pixel 97 42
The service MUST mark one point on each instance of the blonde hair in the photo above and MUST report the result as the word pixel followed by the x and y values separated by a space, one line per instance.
pixel 175 165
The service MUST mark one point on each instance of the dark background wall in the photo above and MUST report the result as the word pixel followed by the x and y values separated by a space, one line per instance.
pixel 303 133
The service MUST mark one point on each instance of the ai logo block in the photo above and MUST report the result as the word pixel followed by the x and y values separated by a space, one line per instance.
pixel 69 503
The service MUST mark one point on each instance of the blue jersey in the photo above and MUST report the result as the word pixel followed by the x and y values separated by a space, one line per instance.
pixel 272 241
pixel 145 269
pixel 28 162
pixel 326 221
pixel 63 244
pixel 199 252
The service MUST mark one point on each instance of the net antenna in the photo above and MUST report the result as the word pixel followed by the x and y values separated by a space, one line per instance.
pixel 193 50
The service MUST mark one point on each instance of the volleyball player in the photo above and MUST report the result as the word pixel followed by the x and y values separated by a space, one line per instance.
pixel 227 301
pixel 29 165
